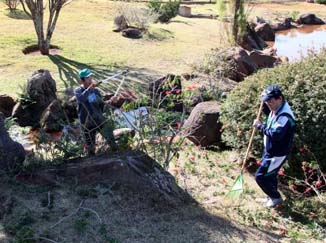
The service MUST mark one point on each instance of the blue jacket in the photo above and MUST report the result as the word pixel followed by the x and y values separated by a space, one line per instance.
pixel 279 131
pixel 90 107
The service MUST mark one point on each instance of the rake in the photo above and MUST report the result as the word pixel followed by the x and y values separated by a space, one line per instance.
pixel 237 188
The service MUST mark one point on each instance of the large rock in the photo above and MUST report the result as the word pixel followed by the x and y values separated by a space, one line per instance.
pixel 259 20
pixel 132 33
pixel 265 31
pixel 251 40
pixel 244 65
pixel 203 126
pixel 309 19
pixel 70 108
pixel 185 11
pixel 52 118
pixel 284 25
pixel 7 104
pixel 130 168
pixel 262 60
pixel 12 154
pixel 40 91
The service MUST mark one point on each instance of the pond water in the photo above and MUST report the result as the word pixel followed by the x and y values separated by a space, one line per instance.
pixel 296 43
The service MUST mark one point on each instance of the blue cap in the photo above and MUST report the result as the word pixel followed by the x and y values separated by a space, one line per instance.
pixel 84 73
pixel 272 91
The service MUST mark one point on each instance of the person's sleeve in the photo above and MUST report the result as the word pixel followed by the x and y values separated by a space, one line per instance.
pixel 277 131
pixel 81 95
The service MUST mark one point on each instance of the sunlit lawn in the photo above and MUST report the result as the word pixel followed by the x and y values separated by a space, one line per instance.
pixel 84 33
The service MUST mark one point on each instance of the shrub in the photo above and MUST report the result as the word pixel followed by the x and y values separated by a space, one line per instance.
pixel 218 64
pixel 304 85
pixel 138 17
pixel 321 1
pixel 166 11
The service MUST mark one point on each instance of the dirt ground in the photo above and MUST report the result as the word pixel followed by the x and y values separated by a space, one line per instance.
pixel 104 212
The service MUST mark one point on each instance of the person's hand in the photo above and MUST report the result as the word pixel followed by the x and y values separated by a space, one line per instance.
pixel 256 123
pixel 92 85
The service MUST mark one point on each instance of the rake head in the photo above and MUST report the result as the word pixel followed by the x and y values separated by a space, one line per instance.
pixel 237 188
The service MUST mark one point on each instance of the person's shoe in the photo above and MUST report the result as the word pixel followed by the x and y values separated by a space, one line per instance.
pixel 262 200
pixel 273 202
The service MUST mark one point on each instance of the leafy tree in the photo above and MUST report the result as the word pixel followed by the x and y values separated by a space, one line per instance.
pixel 35 10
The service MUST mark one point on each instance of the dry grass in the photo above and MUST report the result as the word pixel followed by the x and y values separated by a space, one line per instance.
pixel 107 212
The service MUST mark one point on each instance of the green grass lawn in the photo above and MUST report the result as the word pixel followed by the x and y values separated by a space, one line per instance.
pixel 86 40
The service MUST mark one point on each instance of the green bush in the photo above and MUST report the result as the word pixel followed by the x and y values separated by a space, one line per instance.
pixel 165 11
pixel 321 1
pixel 304 86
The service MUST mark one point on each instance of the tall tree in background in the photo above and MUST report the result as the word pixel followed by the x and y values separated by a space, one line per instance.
pixel 236 11
pixel 35 10
pixel 233 14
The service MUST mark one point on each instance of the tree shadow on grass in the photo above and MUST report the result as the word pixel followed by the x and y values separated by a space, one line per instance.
pixel 159 34
pixel 136 78
pixel 181 22
pixel 17 14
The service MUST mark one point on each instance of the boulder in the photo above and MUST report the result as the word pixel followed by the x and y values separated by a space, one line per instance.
pixel 262 60
pixel 284 25
pixel 265 31
pixel 270 51
pixel 185 11
pixel 40 91
pixel 309 19
pixel 259 20
pixel 52 117
pixel 251 40
pixel 133 169
pixel 203 126
pixel 120 23
pixel 132 33
pixel 12 154
pixel 244 65
pixel 7 104
pixel 69 107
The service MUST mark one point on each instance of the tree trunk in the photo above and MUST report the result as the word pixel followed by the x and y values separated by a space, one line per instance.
pixel 35 9
pixel 235 28
pixel 44 47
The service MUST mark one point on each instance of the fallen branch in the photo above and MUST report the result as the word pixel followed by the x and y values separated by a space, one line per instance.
pixel 94 212
pixel 64 218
